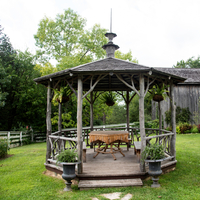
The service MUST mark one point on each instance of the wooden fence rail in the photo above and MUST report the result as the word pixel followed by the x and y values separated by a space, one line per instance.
pixel 19 138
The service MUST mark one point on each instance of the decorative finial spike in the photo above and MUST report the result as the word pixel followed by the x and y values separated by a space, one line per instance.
pixel 111 20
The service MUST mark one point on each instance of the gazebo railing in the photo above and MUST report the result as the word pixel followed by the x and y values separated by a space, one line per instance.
pixel 58 141
pixel 160 136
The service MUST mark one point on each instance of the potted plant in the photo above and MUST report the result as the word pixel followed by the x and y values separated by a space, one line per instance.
pixel 62 95
pixel 68 158
pixel 158 93
pixel 153 155
pixel 109 98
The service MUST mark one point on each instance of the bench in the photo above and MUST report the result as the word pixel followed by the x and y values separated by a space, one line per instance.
pixel 137 148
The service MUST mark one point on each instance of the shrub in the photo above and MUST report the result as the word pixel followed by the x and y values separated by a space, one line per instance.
pixel 194 129
pixel 185 127
pixel 67 156
pixel 198 128
pixel 178 131
pixel 3 148
pixel 153 152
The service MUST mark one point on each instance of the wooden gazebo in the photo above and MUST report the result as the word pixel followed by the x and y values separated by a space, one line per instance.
pixel 110 74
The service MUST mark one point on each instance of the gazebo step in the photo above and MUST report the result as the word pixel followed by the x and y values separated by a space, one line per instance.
pixel 91 184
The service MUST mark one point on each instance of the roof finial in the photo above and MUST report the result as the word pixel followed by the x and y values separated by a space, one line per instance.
pixel 110 47
pixel 111 20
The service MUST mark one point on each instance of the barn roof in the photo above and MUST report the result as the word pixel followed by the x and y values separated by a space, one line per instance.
pixel 192 75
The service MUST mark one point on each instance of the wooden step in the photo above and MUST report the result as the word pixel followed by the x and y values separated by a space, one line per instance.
pixel 91 184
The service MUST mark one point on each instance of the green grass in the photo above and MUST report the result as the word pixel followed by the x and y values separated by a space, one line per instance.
pixel 21 176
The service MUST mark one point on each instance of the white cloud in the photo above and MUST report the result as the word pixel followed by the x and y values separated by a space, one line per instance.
pixel 158 32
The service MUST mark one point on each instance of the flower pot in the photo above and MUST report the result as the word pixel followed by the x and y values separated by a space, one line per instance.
pixel 64 99
pixel 110 103
pixel 69 173
pixel 155 171
pixel 158 97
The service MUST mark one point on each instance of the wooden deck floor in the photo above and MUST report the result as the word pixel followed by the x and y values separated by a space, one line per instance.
pixel 105 167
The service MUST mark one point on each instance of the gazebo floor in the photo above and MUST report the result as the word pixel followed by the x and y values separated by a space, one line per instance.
pixel 104 167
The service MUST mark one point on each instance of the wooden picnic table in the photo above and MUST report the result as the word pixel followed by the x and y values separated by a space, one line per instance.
pixel 106 138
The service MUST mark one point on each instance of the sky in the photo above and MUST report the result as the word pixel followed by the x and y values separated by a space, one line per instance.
pixel 158 32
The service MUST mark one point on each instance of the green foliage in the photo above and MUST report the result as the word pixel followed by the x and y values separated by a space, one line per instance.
pixel 125 56
pixel 117 116
pixel 194 129
pixel 153 152
pixel 68 156
pixel 185 128
pixel 66 40
pixel 190 63
pixel 183 115
pixel 32 182
pixel 158 90
pixel 3 148
pixel 59 94
pixel 134 109
pixel 178 131
pixel 66 120
pixel 109 98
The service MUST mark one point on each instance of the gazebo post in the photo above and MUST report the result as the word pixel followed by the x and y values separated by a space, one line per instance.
pixel 127 110
pixel 173 120
pixel 60 123
pixel 91 111
pixel 79 123
pixel 48 121
pixel 141 119
pixel 160 117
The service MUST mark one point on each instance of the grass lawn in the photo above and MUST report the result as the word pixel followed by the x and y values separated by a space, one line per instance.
pixel 21 176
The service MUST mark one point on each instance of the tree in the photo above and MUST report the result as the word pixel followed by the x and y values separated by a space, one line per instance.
pixel 125 56
pixel 190 63
pixel 25 102
pixel 65 40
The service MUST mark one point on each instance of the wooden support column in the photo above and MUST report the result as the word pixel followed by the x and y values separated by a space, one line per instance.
pixel 60 117
pixel 141 119
pixel 91 111
pixel 127 110
pixel 48 122
pixel 160 117
pixel 79 123
pixel 173 120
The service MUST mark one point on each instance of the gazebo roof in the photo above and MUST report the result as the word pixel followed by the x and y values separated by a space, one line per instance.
pixel 110 67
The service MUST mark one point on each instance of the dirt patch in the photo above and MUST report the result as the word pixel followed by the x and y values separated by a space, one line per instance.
pixel 7 156
pixel 55 175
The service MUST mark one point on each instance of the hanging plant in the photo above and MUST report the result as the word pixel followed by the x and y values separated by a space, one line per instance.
pixel 109 98
pixel 158 93
pixel 62 95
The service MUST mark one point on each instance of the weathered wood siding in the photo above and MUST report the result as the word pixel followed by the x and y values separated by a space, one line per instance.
pixel 184 96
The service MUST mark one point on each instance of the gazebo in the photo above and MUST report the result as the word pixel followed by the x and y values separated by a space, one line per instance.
pixel 110 74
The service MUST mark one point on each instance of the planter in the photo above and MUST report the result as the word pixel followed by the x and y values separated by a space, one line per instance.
pixel 155 171
pixel 110 103
pixel 158 98
pixel 64 99
pixel 69 173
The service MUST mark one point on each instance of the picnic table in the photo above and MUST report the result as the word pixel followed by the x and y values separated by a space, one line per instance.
pixel 104 139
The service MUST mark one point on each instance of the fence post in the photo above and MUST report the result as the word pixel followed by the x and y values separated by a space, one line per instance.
pixel 8 138
pixel 31 135
pixel 20 138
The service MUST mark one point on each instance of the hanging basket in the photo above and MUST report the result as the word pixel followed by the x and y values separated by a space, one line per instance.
pixel 110 103
pixel 158 97
pixel 64 99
